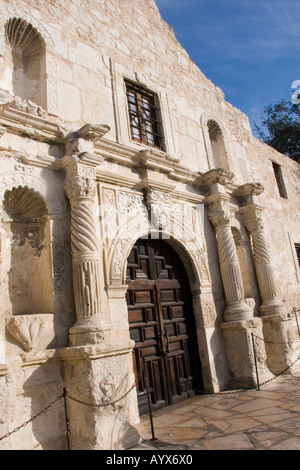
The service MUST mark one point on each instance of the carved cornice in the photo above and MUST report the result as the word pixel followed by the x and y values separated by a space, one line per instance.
pixel 249 189
pixel 93 132
pixel 217 176
pixel 29 121
pixel 248 193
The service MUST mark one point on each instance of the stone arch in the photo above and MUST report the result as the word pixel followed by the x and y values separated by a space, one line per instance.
pixel 216 142
pixel 191 252
pixel 193 257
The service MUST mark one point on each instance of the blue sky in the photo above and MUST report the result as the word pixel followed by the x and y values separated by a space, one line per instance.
pixel 249 48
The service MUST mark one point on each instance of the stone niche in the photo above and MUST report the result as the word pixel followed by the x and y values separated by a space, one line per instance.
pixel 26 266
pixel 25 61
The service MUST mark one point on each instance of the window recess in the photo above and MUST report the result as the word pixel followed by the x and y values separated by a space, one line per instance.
pixel 144 116
pixel 279 180
pixel 297 248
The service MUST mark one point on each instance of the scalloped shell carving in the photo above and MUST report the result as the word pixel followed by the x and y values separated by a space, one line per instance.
pixel 32 331
pixel 23 36
pixel 23 204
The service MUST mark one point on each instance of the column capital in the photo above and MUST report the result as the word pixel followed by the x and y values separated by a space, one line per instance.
pixel 219 218
pixel 219 210
pixel 80 179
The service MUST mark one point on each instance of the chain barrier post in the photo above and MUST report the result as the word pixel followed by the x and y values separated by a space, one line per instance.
pixel 255 361
pixel 149 402
pixel 67 415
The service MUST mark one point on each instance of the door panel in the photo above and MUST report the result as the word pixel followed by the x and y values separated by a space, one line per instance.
pixel 162 325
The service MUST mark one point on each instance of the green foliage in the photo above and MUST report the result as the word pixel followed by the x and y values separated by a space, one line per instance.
pixel 282 122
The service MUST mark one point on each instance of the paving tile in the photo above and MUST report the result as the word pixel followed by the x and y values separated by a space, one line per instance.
pixel 232 442
pixel 242 420
pixel 183 433
pixel 259 404
pixel 215 413
pixel 267 439
pixel 289 444
pixel 235 425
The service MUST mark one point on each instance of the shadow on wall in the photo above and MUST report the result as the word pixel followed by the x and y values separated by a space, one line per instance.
pixel 44 385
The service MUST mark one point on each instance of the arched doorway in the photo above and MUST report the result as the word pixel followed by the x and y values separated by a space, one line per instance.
pixel 162 324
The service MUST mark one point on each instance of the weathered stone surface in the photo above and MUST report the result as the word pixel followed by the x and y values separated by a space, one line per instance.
pixel 77 191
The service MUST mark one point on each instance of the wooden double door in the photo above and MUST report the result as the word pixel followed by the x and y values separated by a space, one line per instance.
pixel 162 324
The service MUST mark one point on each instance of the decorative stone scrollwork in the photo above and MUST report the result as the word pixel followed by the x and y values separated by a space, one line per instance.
pixel 158 205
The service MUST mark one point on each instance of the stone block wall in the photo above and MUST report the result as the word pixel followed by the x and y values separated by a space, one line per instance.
pixel 66 149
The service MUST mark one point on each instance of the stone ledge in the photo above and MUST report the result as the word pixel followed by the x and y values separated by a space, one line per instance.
pixel 97 351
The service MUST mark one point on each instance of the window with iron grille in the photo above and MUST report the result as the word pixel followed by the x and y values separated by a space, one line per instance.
pixel 297 247
pixel 280 180
pixel 144 116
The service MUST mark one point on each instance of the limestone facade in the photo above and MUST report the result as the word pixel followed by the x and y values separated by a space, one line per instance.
pixel 78 189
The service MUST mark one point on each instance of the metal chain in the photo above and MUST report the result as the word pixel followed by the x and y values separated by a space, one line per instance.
pixel 113 402
pixel 105 403
pixel 275 342
pixel 294 311
pixel 109 402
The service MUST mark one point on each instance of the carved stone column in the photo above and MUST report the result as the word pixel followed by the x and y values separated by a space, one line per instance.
pixel 237 309
pixel 251 212
pixel 239 321
pixel 91 309
pixel 263 266
pixel 277 325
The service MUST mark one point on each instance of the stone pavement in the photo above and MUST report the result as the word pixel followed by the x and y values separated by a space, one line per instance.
pixel 265 419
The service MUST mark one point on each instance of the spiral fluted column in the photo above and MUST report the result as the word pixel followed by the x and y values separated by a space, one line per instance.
pixel 264 269
pixel 236 309
pixel 91 311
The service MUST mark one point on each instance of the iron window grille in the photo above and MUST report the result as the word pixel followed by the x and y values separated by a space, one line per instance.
pixel 144 116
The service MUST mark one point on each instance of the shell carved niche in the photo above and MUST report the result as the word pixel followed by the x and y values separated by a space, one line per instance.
pixel 27 209
pixel 22 36
pixel 33 332
pixel 23 204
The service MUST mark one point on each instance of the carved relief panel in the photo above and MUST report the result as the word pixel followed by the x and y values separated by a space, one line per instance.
pixel 126 216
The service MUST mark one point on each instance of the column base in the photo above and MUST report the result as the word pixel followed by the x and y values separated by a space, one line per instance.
pixel 271 307
pixel 240 354
pixel 280 342
pixel 90 331
pixel 238 311
pixel 97 375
